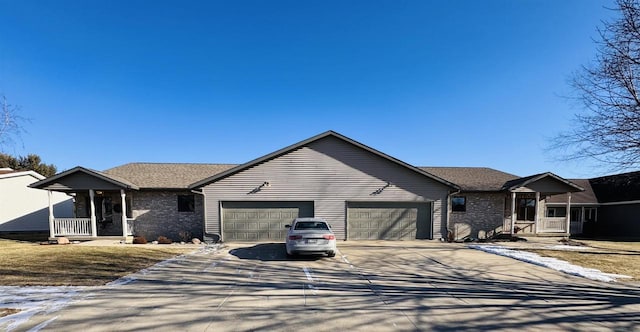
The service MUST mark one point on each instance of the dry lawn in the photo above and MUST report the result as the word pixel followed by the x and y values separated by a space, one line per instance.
pixel 606 256
pixel 29 264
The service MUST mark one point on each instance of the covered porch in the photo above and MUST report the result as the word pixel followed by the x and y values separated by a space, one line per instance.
pixel 102 205
pixel 525 213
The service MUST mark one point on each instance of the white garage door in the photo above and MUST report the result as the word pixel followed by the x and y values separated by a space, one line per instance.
pixel 260 221
pixel 388 221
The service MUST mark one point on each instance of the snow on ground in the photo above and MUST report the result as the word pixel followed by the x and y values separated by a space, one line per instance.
pixel 35 300
pixel 549 262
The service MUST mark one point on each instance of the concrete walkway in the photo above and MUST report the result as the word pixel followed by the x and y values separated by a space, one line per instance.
pixel 371 286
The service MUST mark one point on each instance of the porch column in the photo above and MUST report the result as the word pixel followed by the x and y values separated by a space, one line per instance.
pixel 123 217
pixel 92 211
pixel 535 213
pixel 513 212
pixel 51 217
pixel 568 213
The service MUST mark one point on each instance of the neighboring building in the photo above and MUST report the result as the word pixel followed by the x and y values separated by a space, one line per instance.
pixel 24 209
pixel 362 192
pixel 619 199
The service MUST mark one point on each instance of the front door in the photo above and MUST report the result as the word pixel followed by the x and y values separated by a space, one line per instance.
pixel 526 207
pixel 576 221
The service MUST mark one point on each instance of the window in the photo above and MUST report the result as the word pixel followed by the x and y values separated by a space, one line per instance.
pixel 186 203
pixel 526 209
pixel 311 225
pixel 560 211
pixel 458 204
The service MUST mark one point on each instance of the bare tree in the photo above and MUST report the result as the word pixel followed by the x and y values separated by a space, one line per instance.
pixel 608 128
pixel 10 123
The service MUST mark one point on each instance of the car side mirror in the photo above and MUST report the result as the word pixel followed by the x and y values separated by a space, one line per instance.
pixel 287 226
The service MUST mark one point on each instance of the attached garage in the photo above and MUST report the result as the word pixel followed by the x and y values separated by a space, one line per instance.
pixel 260 221
pixel 361 192
pixel 388 221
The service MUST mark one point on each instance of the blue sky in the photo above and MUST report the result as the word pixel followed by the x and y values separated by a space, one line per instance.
pixel 433 83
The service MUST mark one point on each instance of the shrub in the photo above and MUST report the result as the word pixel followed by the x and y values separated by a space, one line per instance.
pixel 164 240
pixel 185 236
pixel 139 240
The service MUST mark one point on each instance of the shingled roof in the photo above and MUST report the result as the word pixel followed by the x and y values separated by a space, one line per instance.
pixel 617 188
pixel 166 175
pixel 473 178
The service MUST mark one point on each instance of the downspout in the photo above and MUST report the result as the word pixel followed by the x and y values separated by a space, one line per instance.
pixel 204 212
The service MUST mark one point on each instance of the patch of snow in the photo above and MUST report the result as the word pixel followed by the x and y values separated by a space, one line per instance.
pixel 48 299
pixel 567 247
pixel 549 262
pixel 33 300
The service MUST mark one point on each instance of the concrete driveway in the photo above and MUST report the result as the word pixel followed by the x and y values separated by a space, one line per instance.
pixel 368 286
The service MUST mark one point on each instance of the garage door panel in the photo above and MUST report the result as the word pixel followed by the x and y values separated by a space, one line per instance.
pixel 261 221
pixel 388 221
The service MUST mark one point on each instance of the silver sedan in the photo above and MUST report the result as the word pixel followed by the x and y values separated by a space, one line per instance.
pixel 309 236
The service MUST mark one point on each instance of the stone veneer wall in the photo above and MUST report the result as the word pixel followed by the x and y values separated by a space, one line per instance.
pixel 483 218
pixel 156 214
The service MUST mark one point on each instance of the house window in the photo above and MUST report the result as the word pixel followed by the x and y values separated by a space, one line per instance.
pixel 186 203
pixel 526 209
pixel 553 212
pixel 458 204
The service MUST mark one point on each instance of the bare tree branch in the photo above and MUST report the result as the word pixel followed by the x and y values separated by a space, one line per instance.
pixel 10 123
pixel 608 128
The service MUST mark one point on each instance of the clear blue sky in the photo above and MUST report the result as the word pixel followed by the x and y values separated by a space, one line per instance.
pixel 433 83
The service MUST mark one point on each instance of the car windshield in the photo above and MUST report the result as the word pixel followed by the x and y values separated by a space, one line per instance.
pixel 311 225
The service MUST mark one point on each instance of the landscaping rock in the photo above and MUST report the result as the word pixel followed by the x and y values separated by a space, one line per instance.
pixel 195 240
pixel 63 240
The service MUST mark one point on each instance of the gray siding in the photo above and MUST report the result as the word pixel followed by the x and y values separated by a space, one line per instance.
pixel 328 172
pixel 619 220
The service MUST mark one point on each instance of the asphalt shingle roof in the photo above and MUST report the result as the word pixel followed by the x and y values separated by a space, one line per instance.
pixel 617 188
pixel 473 178
pixel 166 175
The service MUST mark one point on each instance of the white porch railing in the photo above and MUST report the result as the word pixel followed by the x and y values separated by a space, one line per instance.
pixel 72 226
pixel 552 225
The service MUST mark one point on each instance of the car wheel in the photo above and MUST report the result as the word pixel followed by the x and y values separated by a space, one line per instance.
pixel 331 254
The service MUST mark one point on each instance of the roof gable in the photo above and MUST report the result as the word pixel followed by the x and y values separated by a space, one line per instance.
pixel 544 182
pixel 307 142
pixel 80 178
pixel 587 196
pixel 12 174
